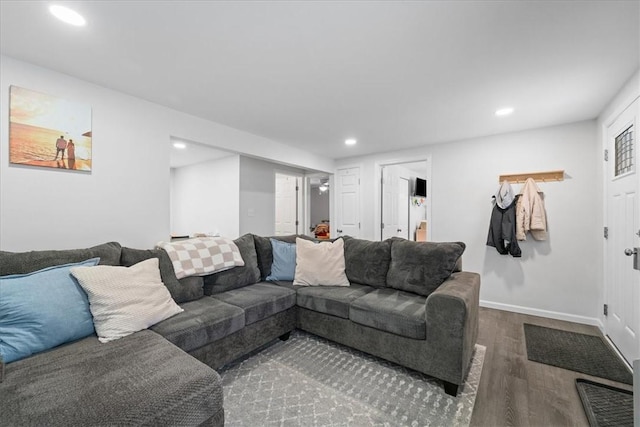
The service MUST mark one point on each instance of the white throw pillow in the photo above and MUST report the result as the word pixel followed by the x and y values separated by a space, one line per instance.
pixel 320 264
pixel 124 300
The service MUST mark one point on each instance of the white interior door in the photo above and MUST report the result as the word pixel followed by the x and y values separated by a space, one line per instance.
pixel 389 181
pixel 623 218
pixel 348 203
pixel 286 204
pixel 403 208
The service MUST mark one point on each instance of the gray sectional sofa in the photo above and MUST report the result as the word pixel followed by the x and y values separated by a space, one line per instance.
pixel 407 302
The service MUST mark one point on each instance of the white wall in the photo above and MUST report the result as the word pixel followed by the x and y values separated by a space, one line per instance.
pixel 205 197
pixel 556 278
pixel 258 195
pixel 126 196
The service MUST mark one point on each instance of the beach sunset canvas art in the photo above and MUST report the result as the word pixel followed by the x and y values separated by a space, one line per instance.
pixel 47 131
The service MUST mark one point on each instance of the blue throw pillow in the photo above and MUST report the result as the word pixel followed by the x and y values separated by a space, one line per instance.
pixel 42 310
pixel 284 260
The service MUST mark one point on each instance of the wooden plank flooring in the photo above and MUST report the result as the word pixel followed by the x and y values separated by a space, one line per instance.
pixel 514 391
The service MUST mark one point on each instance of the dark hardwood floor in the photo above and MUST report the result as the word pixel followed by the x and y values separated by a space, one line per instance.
pixel 514 391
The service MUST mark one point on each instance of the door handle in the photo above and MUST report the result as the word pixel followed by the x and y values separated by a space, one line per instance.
pixel 634 252
pixel 339 231
pixel 399 230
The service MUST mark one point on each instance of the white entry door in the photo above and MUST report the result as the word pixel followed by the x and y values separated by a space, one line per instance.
pixel 348 203
pixel 286 204
pixel 623 217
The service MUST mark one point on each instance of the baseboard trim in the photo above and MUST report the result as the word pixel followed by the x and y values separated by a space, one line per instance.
pixel 544 313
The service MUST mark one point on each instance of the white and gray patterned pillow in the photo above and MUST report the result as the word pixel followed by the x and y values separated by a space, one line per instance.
pixel 124 300
pixel 202 256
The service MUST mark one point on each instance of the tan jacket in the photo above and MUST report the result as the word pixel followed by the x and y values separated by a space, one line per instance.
pixel 530 213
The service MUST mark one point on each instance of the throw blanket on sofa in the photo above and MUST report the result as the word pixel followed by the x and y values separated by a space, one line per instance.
pixel 202 256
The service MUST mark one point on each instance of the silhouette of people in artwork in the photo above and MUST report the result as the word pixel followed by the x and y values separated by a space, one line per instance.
pixel 71 154
pixel 61 145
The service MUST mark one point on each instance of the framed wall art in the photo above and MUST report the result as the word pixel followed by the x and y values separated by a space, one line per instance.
pixel 47 131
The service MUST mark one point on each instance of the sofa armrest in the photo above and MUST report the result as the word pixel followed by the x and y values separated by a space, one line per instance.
pixel 452 324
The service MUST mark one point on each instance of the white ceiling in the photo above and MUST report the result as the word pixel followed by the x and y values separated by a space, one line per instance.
pixel 310 74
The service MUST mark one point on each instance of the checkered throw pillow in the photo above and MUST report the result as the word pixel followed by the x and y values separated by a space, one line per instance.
pixel 202 256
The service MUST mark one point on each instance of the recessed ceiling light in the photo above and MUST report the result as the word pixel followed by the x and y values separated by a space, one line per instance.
pixel 350 141
pixel 504 111
pixel 67 15
pixel 180 145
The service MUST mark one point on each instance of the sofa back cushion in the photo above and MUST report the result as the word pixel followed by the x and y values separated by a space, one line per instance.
pixel 27 262
pixel 236 277
pixel 264 251
pixel 181 291
pixel 367 261
pixel 420 267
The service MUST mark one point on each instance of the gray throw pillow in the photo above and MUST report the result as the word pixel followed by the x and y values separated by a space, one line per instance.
pixel 367 261
pixel 27 262
pixel 236 277
pixel 180 291
pixel 420 267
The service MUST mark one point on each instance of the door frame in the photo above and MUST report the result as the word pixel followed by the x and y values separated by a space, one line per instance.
pixel 604 145
pixel 377 188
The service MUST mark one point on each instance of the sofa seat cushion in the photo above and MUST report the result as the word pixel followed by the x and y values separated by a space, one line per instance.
pixel 141 379
pixel 260 300
pixel 202 322
pixel 401 313
pixel 333 300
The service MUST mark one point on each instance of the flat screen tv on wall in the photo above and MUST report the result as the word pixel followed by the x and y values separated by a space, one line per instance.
pixel 421 188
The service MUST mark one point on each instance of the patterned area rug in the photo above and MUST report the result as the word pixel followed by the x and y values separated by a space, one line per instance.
pixel 604 405
pixel 588 354
pixel 310 381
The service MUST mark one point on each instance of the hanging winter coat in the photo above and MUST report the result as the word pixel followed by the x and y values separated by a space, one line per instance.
pixel 530 212
pixel 502 227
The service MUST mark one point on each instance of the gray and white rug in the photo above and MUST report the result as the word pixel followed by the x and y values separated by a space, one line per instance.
pixel 310 381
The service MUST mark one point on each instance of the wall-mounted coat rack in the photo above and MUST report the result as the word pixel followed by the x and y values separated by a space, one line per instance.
pixel 538 176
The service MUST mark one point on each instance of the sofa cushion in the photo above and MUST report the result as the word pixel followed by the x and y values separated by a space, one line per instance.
pixel 181 291
pixel 27 262
pixel 236 277
pixel 320 264
pixel 202 322
pixel 41 310
pixel 265 252
pixel 398 312
pixel 420 267
pixel 331 300
pixel 124 300
pixel 141 379
pixel 260 300
pixel 367 262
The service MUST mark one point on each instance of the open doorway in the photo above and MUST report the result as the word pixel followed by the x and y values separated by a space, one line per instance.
pixel 319 202
pixel 404 209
